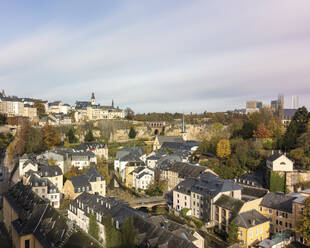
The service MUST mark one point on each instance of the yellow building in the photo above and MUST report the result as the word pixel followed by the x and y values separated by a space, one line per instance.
pixel 253 227
pixel 91 182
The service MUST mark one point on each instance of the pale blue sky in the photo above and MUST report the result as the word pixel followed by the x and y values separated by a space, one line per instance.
pixel 157 55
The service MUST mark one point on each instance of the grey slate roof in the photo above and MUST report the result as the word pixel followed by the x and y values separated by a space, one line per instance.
pixel 162 139
pixel 278 201
pixel 229 203
pixel 37 217
pixel 249 219
pixel 186 170
pixel 92 174
pixel 49 170
pixel 210 185
pixel 274 156
pixel 185 186
pixel 80 182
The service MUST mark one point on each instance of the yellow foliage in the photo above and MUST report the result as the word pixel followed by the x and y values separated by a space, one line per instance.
pixel 223 148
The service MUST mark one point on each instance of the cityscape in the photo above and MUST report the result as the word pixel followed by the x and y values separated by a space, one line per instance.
pixel 155 125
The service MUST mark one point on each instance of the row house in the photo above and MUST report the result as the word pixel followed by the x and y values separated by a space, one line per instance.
pixel 32 223
pixel 44 188
pixel 127 160
pixel 99 149
pixel 152 231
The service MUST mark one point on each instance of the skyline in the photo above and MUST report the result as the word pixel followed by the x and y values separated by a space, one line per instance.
pixel 157 57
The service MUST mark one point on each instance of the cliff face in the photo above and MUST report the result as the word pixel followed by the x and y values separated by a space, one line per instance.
pixel 194 132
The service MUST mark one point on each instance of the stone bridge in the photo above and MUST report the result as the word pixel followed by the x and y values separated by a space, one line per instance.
pixel 148 202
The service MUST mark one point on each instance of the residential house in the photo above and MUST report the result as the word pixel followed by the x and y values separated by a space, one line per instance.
pixel 135 155
pixel 182 194
pixel 253 227
pixel 83 159
pixel 12 106
pixel 91 181
pixel 279 208
pixel 180 171
pixel 53 173
pixel 44 188
pixel 152 232
pixel 99 149
pixel 30 111
pixel 142 177
pixel 288 115
pixel 280 163
pixel 32 223
pixel 206 191
pixel 55 107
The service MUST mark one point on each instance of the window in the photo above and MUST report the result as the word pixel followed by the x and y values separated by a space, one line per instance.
pixel 178 201
pixel 178 195
pixel 185 204
pixel 194 203
pixel 270 211
pixel 286 224
pixel 277 213
pixel 43 191
pixel 240 234
pixel 256 231
pixel 261 230
pixel 280 222
pixel 184 197
pixel 277 222
pixel 260 208
pixel 27 243
pixel 251 234
pixel 290 225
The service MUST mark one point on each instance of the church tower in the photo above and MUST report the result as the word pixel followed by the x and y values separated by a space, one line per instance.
pixel 112 103
pixel 183 132
pixel 93 100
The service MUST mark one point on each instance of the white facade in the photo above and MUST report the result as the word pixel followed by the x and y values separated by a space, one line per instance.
pixel 282 163
pixel 143 179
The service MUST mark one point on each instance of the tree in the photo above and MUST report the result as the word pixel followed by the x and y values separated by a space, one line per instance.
pixel 129 114
pixel 132 133
pixel 51 136
pixel 232 237
pixel 303 223
pixel 71 136
pixel 261 132
pixel 93 228
pixel 89 137
pixel 223 148
pixel 296 128
pixel 40 108
pixel 29 139
pixel 2 119
pixel 129 234
pixel 113 237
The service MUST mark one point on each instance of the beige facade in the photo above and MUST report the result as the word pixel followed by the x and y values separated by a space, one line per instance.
pixel 282 163
pixel 30 112
pixel 12 107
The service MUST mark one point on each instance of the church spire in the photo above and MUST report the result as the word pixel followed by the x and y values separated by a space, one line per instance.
pixel 183 132
pixel 112 103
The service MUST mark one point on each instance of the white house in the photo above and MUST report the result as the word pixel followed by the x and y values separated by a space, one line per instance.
pixel 128 154
pixel 279 162
pixel 142 177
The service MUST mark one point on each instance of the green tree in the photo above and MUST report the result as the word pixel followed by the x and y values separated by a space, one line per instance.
pixel 296 128
pixel 2 119
pixel 232 237
pixel 93 227
pixel 113 237
pixel 303 223
pixel 129 234
pixel 89 137
pixel 277 182
pixel 223 148
pixel 71 136
pixel 132 133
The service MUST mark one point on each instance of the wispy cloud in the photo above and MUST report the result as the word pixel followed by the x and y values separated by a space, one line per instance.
pixel 197 55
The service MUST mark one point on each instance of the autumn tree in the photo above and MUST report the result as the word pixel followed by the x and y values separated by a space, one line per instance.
pixel 232 237
pixel 93 227
pixel 40 108
pixel 261 132
pixel 223 148
pixel 303 223
pixel 2 119
pixel 129 114
pixel 51 137
pixel 29 139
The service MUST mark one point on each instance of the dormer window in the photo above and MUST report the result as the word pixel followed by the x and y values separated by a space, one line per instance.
pixel 55 173
pixel 79 189
pixel 46 173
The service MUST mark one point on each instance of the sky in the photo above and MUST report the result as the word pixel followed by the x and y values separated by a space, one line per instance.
pixel 157 56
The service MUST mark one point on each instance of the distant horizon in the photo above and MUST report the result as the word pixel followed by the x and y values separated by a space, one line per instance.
pixel 157 56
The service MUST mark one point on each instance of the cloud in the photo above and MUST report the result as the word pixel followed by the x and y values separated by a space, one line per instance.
pixel 193 56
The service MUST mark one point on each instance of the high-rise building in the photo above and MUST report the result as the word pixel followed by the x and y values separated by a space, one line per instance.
pixel 253 106
pixel 274 105
pixel 295 102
